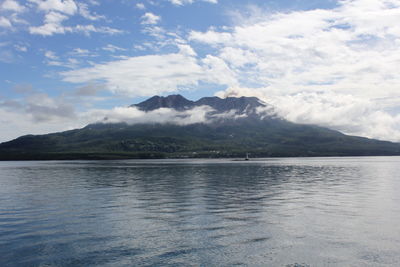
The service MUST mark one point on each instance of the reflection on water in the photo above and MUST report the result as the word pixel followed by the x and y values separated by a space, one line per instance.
pixel 272 212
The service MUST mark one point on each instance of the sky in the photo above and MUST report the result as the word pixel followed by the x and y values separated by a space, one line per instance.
pixel 67 63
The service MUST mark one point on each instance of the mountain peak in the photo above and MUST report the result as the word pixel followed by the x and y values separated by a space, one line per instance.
pixel 177 102
pixel 240 104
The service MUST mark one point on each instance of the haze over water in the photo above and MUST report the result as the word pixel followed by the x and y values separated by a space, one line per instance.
pixel 270 212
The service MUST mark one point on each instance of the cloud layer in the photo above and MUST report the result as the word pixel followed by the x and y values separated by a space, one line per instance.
pixel 353 48
pixel 46 115
pixel 153 74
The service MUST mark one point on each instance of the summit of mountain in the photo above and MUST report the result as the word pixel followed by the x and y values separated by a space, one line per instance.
pixel 178 102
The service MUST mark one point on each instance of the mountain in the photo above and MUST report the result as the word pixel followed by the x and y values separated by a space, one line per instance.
pixel 176 102
pixel 180 103
pixel 232 127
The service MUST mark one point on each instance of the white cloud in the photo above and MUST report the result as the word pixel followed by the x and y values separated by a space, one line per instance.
pixel 21 48
pixel 12 5
pixel 316 50
pixel 132 115
pixel 185 2
pixel 113 48
pixel 50 55
pixel 52 25
pixel 346 113
pixel 343 112
pixel 93 2
pixel 140 6
pixel 68 7
pixel 156 32
pixel 211 37
pixel 88 29
pixel 66 62
pixel 15 19
pixel 152 74
pixel 5 23
pixel 218 71
pixel 58 11
pixel 10 12
pixel 71 63
pixel 14 124
pixel 150 18
pixel 84 12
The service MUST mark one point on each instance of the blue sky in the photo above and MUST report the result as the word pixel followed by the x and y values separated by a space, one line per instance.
pixel 67 63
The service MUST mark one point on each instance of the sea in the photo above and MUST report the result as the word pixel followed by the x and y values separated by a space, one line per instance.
pixel 292 212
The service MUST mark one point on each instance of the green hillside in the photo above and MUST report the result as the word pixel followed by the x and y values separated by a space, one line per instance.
pixel 228 138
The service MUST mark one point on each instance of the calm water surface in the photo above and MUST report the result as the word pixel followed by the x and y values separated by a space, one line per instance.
pixel 270 212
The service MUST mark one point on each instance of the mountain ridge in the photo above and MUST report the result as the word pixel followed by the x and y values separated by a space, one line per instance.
pixel 180 103
pixel 253 131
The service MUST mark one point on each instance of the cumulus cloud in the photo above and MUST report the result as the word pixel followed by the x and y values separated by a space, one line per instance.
pixel 10 14
pixel 346 113
pixel 132 115
pixel 52 25
pixel 58 11
pixel 11 5
pixel 343 112
pixel 351 48
pixel 152 74
pixel 150 18
pixel 328 67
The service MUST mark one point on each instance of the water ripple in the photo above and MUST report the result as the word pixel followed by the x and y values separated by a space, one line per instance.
pixel 272 212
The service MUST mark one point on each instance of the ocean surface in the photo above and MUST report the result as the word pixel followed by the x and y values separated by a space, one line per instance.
pixel 216 212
